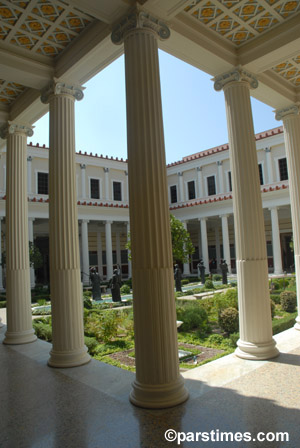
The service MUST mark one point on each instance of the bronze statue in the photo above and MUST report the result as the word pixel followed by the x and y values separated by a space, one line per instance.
pixel 201 271
pixel 114 285
pixel 224 269
pixel 96 282
pixel 177 277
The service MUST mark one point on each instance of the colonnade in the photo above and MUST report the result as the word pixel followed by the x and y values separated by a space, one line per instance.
pixel 158 383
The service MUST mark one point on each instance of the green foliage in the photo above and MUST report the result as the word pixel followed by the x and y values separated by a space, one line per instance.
pixel 209 284
pixel 43 330
pixel 217 277
pixel 215 339
pixel 284 324
pixel 272 304
pixel 125 289
pixel 41 302
pixel 292 284
pixel 288 300
pixel 275 298
pixel 185 281
pixel 35 256
pixel 182 245
pixel 128 282
pixel 3 304
pixel 104 326
pixel 194 317
pixel 91 344
pixel 234 337
pixel 229 320
pixel 87 303
pixel 226 299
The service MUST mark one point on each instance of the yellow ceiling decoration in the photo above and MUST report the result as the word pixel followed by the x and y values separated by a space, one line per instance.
pixel 9 91
pixel 289 70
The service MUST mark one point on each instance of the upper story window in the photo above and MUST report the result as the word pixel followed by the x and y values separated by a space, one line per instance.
pixel 283 169
pixel 261 177
pixel 117 191
pixel 95 188
pixel 173 194
pixel 229 181
pixel 42 183
pixel 191 189
pixel 211 185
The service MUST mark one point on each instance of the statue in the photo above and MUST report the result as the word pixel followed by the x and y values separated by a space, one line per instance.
pixel 224 270
pixel 201 271
pixel 177 277
pixel 96 282
pixel 114 285
pixel 119 274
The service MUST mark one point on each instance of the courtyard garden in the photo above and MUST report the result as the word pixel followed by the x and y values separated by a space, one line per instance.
pixel 209 326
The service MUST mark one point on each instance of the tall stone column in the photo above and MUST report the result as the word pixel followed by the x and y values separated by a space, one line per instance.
pixel 218 247
pixel 181 187
pixel 204 244
pixel 109 257
pixel 226 244
pixel 129 254
pixel 83 180
pixel 99 252
pixel 256 341
pixel 158 383
pixel 29 174
pixel 291 126
pixel 269 165
pixel 65 282
pixel 186 266
pixel 221 188
pixel 85 252
pixel 200 182
pixel 106 182
pixel 276 241
pixel 19 319
pixel 1 276
pixel 31 240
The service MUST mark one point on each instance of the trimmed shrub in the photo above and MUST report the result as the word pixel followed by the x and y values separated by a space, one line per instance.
pixel 292 285
pixel 227 299
pixel 215 339
pixel 217 277
pixel 234 337
pixel 185 281
pixel 284 324
pixel 91 344
pixel 43 331
pixel 272 308
pixel 283 283
pixel 194 317
pixel 275 298
pixel 229 320
pixel 288 301
pixel 209 284
pixel 125 289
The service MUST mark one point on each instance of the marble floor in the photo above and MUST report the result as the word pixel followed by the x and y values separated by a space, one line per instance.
pixel 88 406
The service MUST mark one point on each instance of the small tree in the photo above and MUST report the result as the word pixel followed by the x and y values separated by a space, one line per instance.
pixel 182 246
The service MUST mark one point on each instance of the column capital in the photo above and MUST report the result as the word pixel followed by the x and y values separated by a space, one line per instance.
pixel 59 87
pixel 108 222
pixel 29 159
pixel 274 208
pixel 220 162
pixel 180 173
pixel 226 215
pixel 84 221
pixel 83 166
pixel 106 170
pixel 138 19
pixel 13 127
pixel 199 168
pixel 267 149
pixel 237 74
pixel 203 219
pixel 280 114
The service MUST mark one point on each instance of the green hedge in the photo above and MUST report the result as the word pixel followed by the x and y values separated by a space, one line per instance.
pixel 284 324
pixel 3 304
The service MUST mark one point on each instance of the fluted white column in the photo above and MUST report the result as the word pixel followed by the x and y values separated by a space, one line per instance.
pixel 204 244
pixel 186 266
pixel 158 383
pixel 218 248
pixel 276 246
pixel 291 126
pixel 65 281
pixel 1 276
pixel 226 244
pixel 129 254
pixel 126 195
pixel 200 182
pixel 269 165
pixel 19 319
pixel 181 187
pixel 106 182
pixel 256 341
pixel 85 252
pixel 99 252
pixel 109 257
pixel 31 240
pixel 83 180
pixel 29 174
pixel 221 188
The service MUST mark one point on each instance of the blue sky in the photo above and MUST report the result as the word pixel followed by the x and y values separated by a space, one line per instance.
pixel 194 113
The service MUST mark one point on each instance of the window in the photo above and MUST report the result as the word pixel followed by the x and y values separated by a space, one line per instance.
pixel 173 193
pixel 43 183
pixel 117 190
pixel 124 256
pixel 261 178
pixel 283 170
pixel 191 190
pixel 269 249
pixel 95 188
pixel 211 185
pixel 229 181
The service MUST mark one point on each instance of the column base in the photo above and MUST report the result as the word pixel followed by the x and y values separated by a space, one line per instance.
pixel 259 351
pixel 20 337
pixel 72 358
pixel 297 324
pixel 151 396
